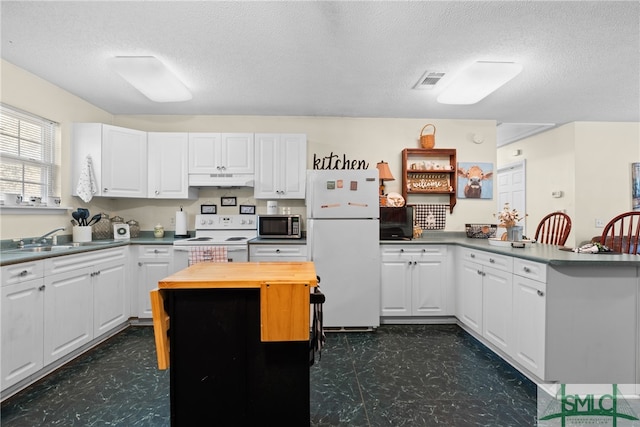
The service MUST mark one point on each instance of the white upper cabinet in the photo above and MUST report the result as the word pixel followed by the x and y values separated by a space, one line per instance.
pixel 118 155
pixel 221 159
pixel 281 163
pixel 221 153
pixel 168 166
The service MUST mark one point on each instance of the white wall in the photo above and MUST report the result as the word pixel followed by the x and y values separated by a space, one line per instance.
pixel 590 162
pixel 367 139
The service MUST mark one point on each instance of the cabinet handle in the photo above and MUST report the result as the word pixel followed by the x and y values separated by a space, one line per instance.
pixel 139 264
pixel 492 261
pixel 104 190
pixel 472 255
pixel 157 192
pixel 23 273
pixel 526 269
pixel 479 272
pixel 401 250
pixel 540 293
pixel 41 288
pixel 424 250
pixel 277 251
pixel 155 251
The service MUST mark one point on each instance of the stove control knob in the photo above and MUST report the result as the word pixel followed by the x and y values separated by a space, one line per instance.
pixel 202 221
pixel 210 222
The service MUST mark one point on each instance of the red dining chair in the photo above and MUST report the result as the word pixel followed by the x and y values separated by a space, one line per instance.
pixel 622 233
pixel 554 229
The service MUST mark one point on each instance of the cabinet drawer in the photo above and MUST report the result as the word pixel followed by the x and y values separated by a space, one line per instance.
pixel 66 263
pixel 501 262
pixel 22 272
pixel 157 251
pixel 532 270
pixel 277 251
pixel 390 252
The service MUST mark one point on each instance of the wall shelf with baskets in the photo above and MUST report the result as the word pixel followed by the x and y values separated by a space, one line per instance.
pixel 429 171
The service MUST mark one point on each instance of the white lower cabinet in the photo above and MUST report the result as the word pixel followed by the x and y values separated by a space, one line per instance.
pixel 277 252
pixel 484 295
pixel 53 307
pixel 68 312
pixel 529 322
pixel 414 280
pixel 155 262
pixel 85 296
pixel 22 317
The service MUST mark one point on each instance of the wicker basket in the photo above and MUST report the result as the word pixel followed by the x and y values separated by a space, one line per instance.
pixel 428 141
pixel 481 231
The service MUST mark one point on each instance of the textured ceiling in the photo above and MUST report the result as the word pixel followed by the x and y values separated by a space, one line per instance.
pixel 361 59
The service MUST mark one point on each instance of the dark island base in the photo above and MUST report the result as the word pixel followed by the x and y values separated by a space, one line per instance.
pixel 222 374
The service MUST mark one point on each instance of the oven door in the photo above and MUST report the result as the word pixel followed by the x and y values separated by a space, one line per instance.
pixel 235 253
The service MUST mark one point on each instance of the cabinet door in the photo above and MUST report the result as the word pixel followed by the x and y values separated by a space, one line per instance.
pixel 110 297
pixel 497 293
pixel 21 311
pixel 470 295
pixel 529 323
pixel 428 287
pixel 68 312
pixel 237 151
pixel 151 269
pixel 395 281
pixel 124 162
pixel 168 165
pixel 281 164
pixel 204 152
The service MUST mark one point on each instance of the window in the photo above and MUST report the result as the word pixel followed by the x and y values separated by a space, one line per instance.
pixel 27 151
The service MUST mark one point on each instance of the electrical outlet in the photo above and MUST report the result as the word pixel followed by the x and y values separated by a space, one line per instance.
pixel 599 223
pixel 172 221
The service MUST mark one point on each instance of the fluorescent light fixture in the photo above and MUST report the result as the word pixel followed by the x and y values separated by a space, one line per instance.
pixel 477 81
pixel 151 77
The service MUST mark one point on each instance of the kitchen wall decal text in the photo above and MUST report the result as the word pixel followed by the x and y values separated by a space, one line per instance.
pixel 333 161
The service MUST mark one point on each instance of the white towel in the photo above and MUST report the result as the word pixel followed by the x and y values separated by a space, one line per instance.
pixel 207 254
pixel 87 185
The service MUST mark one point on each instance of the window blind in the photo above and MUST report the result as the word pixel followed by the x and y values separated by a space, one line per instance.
pixel 27 153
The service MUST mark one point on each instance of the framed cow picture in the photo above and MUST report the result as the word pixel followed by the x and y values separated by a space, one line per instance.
pixel 475 180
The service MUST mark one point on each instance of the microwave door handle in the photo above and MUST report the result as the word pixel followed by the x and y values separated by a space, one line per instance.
pixel 181 248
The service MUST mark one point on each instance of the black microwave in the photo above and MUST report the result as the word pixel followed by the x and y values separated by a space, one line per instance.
pixel 280 226
pixel 396 223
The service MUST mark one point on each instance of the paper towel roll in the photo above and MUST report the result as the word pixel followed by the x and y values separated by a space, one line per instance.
pixel 181 223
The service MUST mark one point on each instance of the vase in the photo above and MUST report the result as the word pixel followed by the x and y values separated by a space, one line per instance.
pixel 514 234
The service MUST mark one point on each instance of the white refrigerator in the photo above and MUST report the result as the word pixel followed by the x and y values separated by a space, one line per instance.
pixel 343 241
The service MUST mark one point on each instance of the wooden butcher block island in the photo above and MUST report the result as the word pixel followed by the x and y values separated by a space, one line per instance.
pixel 236 339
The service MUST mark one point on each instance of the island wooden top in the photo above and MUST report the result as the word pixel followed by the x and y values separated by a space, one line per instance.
pixel 240 275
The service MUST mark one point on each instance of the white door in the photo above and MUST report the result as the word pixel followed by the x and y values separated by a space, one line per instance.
pixel 110 297
pixel 395 282
pixel 124 162
pixel 150 272
pixel 512 189
pixel 497 307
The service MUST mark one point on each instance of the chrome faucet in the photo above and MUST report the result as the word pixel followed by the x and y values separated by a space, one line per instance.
pixel 43 237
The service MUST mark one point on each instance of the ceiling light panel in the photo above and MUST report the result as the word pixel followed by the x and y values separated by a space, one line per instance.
pixel 477 81
pixel 150 76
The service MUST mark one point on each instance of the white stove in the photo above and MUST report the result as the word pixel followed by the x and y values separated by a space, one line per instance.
pixel 232 231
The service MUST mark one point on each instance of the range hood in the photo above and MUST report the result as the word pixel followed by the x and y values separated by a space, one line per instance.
pixel 221 180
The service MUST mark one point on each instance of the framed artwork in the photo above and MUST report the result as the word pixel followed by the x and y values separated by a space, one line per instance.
pixel 635 186
pixel 475 180
pixel 248 209
pixel 228 201
pixel 208 209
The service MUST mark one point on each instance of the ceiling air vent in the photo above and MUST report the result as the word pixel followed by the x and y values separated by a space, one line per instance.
pixel 428 80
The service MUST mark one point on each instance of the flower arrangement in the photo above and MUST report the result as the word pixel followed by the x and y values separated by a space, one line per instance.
pixel 508 217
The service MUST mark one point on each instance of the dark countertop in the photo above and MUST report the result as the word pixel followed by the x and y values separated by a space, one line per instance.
pixel 546 254
pixel 10 257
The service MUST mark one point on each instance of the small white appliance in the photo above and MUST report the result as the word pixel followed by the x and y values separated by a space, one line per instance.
pixel 232 231
pixel 343 241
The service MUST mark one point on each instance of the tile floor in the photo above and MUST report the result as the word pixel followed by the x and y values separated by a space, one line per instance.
pixel 401 375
